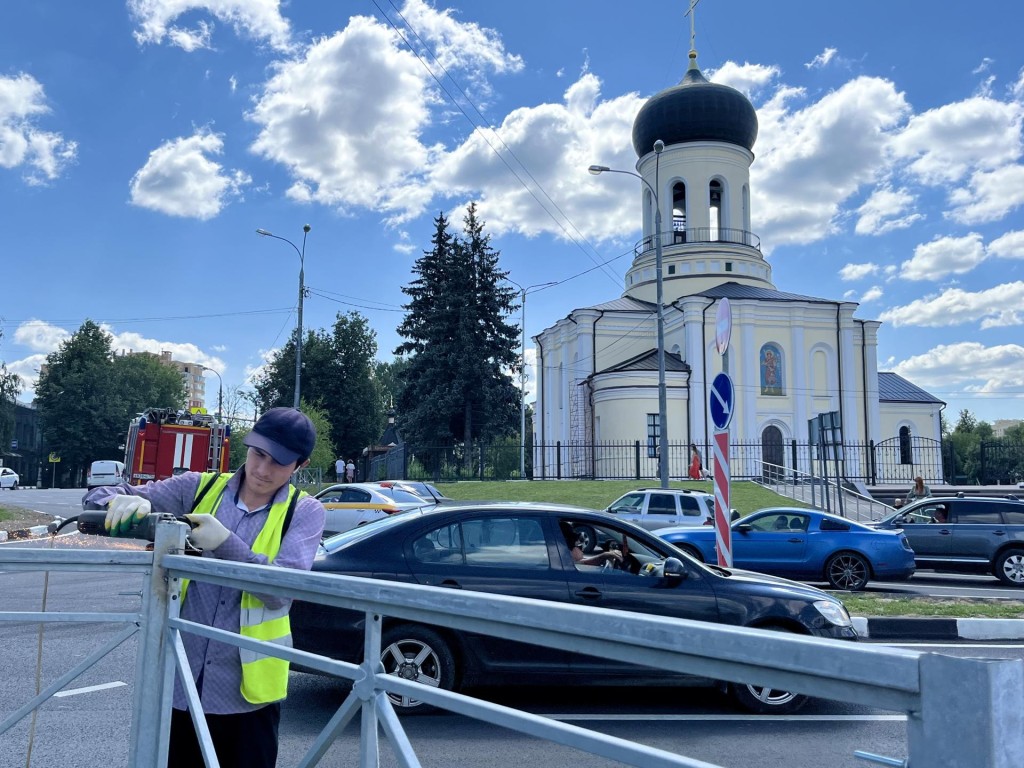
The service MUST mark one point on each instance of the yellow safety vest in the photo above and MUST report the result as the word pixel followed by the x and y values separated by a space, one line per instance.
pixel 264 678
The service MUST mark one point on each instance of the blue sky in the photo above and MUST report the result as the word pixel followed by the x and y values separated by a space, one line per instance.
pixel 141 146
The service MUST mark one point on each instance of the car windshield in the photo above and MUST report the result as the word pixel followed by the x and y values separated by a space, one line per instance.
pixel 631 502
pixel 403 497
pixel 345 538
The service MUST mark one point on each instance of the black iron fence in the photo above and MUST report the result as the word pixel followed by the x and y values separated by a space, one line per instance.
pixel 897 461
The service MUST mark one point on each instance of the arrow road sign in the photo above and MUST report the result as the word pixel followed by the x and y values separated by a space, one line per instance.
pixel 720 401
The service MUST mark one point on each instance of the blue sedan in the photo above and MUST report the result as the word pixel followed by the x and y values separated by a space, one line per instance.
pixel 804 544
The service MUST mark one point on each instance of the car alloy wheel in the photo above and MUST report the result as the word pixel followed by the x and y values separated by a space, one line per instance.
pixel 419 654
pixel 767 701
pixel 1010 567
pixel 847 570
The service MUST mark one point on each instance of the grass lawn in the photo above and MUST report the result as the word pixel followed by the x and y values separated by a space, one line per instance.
pixel 746 497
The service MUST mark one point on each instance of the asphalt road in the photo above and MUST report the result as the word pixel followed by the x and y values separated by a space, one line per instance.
pixel 89 726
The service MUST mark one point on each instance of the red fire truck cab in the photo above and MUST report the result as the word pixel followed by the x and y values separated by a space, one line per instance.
pixel 163 442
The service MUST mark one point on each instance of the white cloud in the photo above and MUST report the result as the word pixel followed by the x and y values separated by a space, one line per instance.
pixel 945 144
pixel 44 338
pixel 968 365
pixel 822 59
pixel 871 294
pixel 258 19
pixel 886 210
pixel 747 78
pixel 944 256
pixel 1009 246
pixel 180 179
pixel 989 196
pixel 43 155
pixel 992 307
pixel 857 271
pixel 812 159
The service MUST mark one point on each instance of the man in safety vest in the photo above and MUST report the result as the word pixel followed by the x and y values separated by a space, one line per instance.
pixel 252 516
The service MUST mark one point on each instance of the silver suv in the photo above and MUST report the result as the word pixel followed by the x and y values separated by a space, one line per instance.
pixel 654 508
pixel 965 534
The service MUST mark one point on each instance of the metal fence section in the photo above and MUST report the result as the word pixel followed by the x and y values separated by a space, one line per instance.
pixel 920 684
pixel 890 462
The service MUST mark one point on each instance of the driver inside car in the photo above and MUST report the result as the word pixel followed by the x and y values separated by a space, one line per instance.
pixel 576 542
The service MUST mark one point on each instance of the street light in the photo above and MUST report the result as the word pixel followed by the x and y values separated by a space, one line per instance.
pixel 659 146
pixel 522 374
pixel 220 391
pixel 302 291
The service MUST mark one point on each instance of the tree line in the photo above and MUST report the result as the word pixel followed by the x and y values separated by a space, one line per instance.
pixel 450 382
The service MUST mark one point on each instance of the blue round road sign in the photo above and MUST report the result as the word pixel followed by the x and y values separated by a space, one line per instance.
pixel 720 401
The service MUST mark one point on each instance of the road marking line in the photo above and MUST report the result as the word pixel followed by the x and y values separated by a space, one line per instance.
pixel 89 689
pixel 763 718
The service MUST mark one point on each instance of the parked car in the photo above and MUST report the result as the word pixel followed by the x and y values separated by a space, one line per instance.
pixel 654 508
pixel 970 534
pixel 805 544
pixel 523 550
pixel 425 491
pixel 105 472
pixel 353 504
pixel 8 478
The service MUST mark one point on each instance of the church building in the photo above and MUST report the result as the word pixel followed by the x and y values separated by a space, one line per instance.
pixel 791 357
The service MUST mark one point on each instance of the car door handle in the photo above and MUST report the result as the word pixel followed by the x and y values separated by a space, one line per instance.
pixel 589 593
pixel 945 532
pixel 795 541
pixel 998 533
pixel 450 583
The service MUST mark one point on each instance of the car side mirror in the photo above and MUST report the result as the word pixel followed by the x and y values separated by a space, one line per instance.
pixel 673 569
pixel 744 528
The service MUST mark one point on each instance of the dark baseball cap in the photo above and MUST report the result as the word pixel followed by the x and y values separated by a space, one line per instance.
pixel 286 434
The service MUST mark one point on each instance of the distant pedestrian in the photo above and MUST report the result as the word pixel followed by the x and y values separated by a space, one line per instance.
pixel 918 490
pixel 696 465
pixel 350 471
pixel 339 470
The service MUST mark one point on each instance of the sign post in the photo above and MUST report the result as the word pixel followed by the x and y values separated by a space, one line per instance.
pixel 721 402
pixel 54 459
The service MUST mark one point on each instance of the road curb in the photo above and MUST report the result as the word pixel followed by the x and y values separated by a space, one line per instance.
pixel 903 628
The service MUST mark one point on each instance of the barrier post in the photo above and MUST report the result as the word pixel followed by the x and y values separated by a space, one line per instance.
pixel 945 735
pixel 154 663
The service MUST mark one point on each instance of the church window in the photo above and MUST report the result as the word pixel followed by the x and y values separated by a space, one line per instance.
pixel 772 380
pixel 653 434
pixel 679 212
pixel 728 266
pixel 906 449
pixel 671 269
pixel 715 203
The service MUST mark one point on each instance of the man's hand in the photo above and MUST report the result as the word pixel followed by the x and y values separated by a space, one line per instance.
pixel 209 532
pixel 123 512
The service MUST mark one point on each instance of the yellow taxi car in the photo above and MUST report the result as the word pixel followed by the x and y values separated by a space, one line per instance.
pixel 352 504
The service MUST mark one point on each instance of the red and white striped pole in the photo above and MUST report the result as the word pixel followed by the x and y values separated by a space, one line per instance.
pixel 723 511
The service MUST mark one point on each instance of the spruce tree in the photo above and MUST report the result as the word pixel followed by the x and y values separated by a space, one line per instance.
pixel 456 385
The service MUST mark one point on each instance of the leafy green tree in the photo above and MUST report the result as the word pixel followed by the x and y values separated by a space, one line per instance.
pixel 456 386
pixel 10 385
pixel 389 382
pixel 337 377
pixel 324 453
pixel 87 397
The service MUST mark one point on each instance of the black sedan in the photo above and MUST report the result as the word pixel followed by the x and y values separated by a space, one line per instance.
pixel 537 551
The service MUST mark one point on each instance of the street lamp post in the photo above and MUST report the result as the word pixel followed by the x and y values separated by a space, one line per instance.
pixel 522 374
pixel 659 146
pixel 220 391
pixel 302 292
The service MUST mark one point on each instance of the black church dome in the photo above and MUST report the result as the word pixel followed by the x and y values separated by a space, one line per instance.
pixel 695 110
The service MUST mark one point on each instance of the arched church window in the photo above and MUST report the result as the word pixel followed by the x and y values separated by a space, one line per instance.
pixel 679 212
pixel 906 446
pixel 715 203
pixel 772 381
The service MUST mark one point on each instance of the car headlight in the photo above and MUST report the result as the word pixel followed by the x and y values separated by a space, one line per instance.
pixel 834 612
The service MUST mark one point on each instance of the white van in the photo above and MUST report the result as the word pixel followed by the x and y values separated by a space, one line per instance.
pixel 105 473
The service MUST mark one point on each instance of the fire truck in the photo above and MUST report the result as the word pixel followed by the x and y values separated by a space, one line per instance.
pixel 163 442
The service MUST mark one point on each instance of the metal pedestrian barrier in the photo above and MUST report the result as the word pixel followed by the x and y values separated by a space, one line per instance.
pixel 922 685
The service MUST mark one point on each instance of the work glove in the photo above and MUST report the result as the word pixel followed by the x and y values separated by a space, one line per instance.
pixel 208 533
pixel 124 512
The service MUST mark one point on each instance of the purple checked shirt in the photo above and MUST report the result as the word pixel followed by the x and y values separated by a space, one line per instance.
pixel 216 667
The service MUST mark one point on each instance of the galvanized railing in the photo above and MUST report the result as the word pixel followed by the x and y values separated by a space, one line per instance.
pixel 919 684
pixel 823 493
